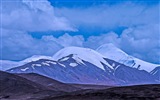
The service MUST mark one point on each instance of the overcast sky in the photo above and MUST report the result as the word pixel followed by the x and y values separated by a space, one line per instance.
pixel 41 27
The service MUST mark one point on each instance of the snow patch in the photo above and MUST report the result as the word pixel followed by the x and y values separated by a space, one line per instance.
pixel 44 63
pixel 155 72
pixel 64 59
pixel 38 65
pixel 25 69
pixel 113 64
pixel 35 65
pixel 73 64
pixel 61 65
pixel 116 67
pixel 51 62
pixel 78 60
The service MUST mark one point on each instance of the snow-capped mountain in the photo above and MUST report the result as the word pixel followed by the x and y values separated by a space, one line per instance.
pixel 85 54
pixel 6 64
pixel 112 52
pixel 85 66
pixel 68 71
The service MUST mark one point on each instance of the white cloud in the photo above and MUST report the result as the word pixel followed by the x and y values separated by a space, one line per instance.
pixel 95 41
pixel 111 16
pixel 32 15
pixel 17 45
pixel 66 40
pixel 21 45
pixel 141 38
pixel 142 41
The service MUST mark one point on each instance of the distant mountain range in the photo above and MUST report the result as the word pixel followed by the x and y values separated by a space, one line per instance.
pixel 6 64
pixel 109 51
pixel 86 66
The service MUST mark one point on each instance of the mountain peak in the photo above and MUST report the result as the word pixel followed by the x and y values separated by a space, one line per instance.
pixel 112 52
pixel 85 54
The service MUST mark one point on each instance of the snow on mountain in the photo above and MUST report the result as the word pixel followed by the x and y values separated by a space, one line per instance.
pixel 6 64
pixel 85 66
pixel 145 65
pixel 70 70
pixel 35 58
pixel 85 54
pixel 156 73
pixel 80 54
pixel 112 52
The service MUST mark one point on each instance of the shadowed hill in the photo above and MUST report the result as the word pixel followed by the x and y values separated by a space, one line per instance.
pixel 139 92
pixel 16 87
pixel 48 82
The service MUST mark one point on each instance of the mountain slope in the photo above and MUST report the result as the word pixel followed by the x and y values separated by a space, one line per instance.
pixel 48 82
pixel 156 73
pixel 112 52
pixel 129 75
pixel 64 71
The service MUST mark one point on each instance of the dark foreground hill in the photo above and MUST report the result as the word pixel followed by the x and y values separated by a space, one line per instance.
pixel 59 86
pixel 31 86
pixel 139 92
pixel 18 88
pixel 37 87
pixel 48 82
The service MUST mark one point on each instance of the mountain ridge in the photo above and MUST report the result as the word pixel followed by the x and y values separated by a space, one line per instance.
pixel 73 67
pixel 104 51
pixel 112 52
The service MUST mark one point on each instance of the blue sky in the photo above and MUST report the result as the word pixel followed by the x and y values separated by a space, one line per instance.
pixel 42 27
